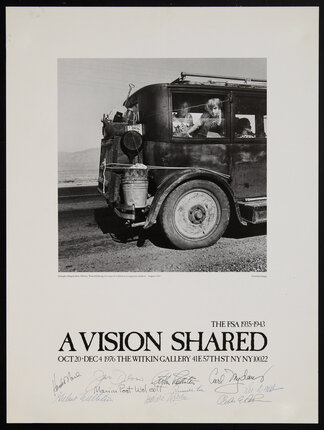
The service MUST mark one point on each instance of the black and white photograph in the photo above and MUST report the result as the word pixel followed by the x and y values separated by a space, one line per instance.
pixel 162 165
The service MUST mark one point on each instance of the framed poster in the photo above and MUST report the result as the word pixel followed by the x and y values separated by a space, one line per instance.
pixel 102 329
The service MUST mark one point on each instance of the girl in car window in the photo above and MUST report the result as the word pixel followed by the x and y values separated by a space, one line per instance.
pixel 182 121
pixel 210 123
pixel 243 128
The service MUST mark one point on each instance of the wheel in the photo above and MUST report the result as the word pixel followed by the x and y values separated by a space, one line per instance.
pixel 195 214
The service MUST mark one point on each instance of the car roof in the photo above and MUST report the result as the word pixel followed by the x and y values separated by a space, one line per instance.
pixel 222 83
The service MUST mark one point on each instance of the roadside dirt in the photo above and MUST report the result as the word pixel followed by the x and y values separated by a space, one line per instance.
pixel 91 239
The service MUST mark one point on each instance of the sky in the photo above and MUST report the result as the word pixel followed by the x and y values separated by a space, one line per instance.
pixel 88 88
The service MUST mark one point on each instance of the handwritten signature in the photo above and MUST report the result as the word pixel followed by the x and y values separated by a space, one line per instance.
pixel 226 399
pixel 57 385
pixel 229 382
pixel 113 382
pixel 165 377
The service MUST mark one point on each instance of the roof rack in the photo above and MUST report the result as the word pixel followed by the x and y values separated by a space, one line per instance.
pixel 237 80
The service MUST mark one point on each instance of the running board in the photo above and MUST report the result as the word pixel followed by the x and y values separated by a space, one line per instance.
pixel 254 211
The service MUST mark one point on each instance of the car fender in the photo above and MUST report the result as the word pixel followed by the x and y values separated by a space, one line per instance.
pixel 173 181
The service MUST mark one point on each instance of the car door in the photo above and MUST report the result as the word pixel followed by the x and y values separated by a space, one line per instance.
pixel 248 144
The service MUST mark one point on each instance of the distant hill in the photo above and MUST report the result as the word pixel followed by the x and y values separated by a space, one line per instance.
pixel 79 161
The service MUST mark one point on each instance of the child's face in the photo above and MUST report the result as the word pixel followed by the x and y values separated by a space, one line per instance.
pixel 215 111
pixel 184 109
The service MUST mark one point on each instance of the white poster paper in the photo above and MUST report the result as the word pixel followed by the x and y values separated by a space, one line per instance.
pixel 136 346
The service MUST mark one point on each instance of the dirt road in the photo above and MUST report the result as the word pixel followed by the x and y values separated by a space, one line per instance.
pixel 92 240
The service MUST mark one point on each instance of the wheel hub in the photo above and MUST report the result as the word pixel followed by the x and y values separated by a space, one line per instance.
pixel 197 214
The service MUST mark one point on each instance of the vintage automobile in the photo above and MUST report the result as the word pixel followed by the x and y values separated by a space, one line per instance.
pixel 189 155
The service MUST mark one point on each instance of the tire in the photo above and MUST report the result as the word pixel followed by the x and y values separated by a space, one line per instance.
pixel 195 214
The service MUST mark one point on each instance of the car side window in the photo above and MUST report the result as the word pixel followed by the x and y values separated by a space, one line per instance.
pixel 250 117
pixel 201 116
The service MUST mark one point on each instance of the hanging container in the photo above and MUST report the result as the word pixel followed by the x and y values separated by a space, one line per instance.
pixel 135 185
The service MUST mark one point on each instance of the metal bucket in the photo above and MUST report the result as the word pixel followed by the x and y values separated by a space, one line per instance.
pixel 135 185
